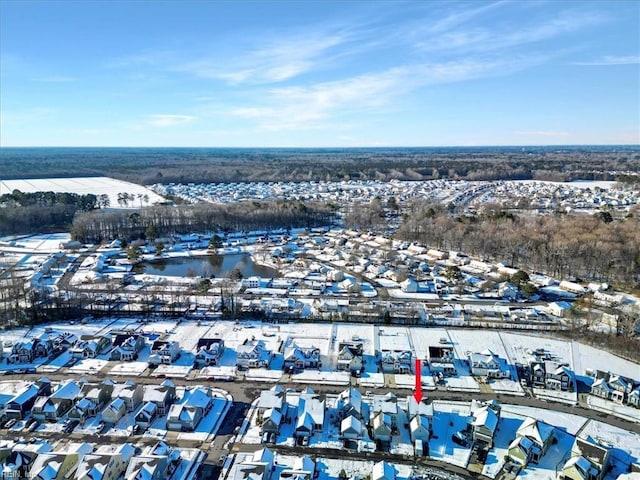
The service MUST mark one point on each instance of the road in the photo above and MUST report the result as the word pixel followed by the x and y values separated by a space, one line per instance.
pixel 245 392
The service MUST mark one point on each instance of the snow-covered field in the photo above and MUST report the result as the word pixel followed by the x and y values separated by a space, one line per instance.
pixel 587 357
pixel 43 243
pixel 84 186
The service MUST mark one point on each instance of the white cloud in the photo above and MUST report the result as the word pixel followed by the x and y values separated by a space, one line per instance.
pixel 479 39
pixel 279 60
pixel 311 106
pixel 612 60
pixel 165 120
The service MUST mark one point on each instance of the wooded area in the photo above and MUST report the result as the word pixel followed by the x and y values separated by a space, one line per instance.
pixel 202 165
pixel 25 213
pixel 166 220
pixel 581 246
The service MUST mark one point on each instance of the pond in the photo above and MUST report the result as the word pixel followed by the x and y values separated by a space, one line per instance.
pixel 207 265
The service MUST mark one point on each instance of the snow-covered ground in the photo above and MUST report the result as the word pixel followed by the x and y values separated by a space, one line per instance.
pixel 564 421
pixel 84 186
pixel 587 357
pixel 449 418
pixel 625 445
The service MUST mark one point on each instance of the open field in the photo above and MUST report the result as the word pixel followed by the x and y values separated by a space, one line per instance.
pixel 84 186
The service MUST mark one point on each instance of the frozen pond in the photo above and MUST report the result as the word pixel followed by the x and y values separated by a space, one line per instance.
pixel 206 266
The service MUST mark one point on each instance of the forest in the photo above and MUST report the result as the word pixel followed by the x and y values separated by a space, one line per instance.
pixel 159 221
pixel 580 246
pixel 212 165
pixel 25 213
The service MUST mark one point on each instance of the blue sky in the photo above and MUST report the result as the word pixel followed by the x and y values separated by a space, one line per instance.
pixel 319 73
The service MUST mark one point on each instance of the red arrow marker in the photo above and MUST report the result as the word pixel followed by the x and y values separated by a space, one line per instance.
pixel 417 394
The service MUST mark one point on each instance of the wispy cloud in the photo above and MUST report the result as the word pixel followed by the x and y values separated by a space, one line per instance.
pixel 276 61
pixel 306 107
pixel 612 60
pixel 55 79
pixel 476 39
pixel 542 133
pixel 167 120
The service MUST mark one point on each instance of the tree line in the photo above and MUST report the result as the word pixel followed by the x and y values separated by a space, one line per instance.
pixel 580 246
pixel 164 220
pixel 22 213
pixel 201 165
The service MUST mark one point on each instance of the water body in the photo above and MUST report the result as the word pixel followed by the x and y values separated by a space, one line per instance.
pixel 206 266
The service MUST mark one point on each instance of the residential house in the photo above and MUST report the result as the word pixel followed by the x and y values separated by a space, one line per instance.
pixel 61 343
pixel 185 416
pixel 484 422
pixel 388 405
pixel 381 427
pixel 24 399
pixel 272 399
pixel 634 397
pixel 253 354
pixel 303 468
pixel 154 463
pixel 620 388
pixel 161 395
pixel 164 352
pixel 146 415
pixel 589 461
pixel 351 428
pixel 108 462
pixel 383 471
pixel 59 464
pixel 271 420
pixel 16 460
pixel 114 411
pixel 258 466
pixel 349 404
pixel 82 410
pixel 532 441
pixel 126 345
pixel 209 351
pixel 409 285
pixel 538 375
pixel 98 393
pixel 350 357
pixel 601 388
pixel 488 364
pixel 419 429
pixel 559 378
pixel 297 358
pixel 508 290
pixel 442 360
pixel 310 414
pixel 616 388
pixel 23 352
pixel 89 346
pixel 57 404
pixel 131 393
pixel 396 362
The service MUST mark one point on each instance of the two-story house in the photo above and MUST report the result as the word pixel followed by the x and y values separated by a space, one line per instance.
pixel 297 359
pixel 209 351
pixel 533 439
pixel 253 354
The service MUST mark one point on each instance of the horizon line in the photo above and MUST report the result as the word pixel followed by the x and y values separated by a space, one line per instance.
pixel 352 147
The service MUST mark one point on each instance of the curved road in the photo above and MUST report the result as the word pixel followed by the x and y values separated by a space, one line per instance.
pixel 247 391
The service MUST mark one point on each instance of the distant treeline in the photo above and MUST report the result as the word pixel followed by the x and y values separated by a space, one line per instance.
pixel 164 220
pixel 586 247
pixel 22 213
pixel 211 165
